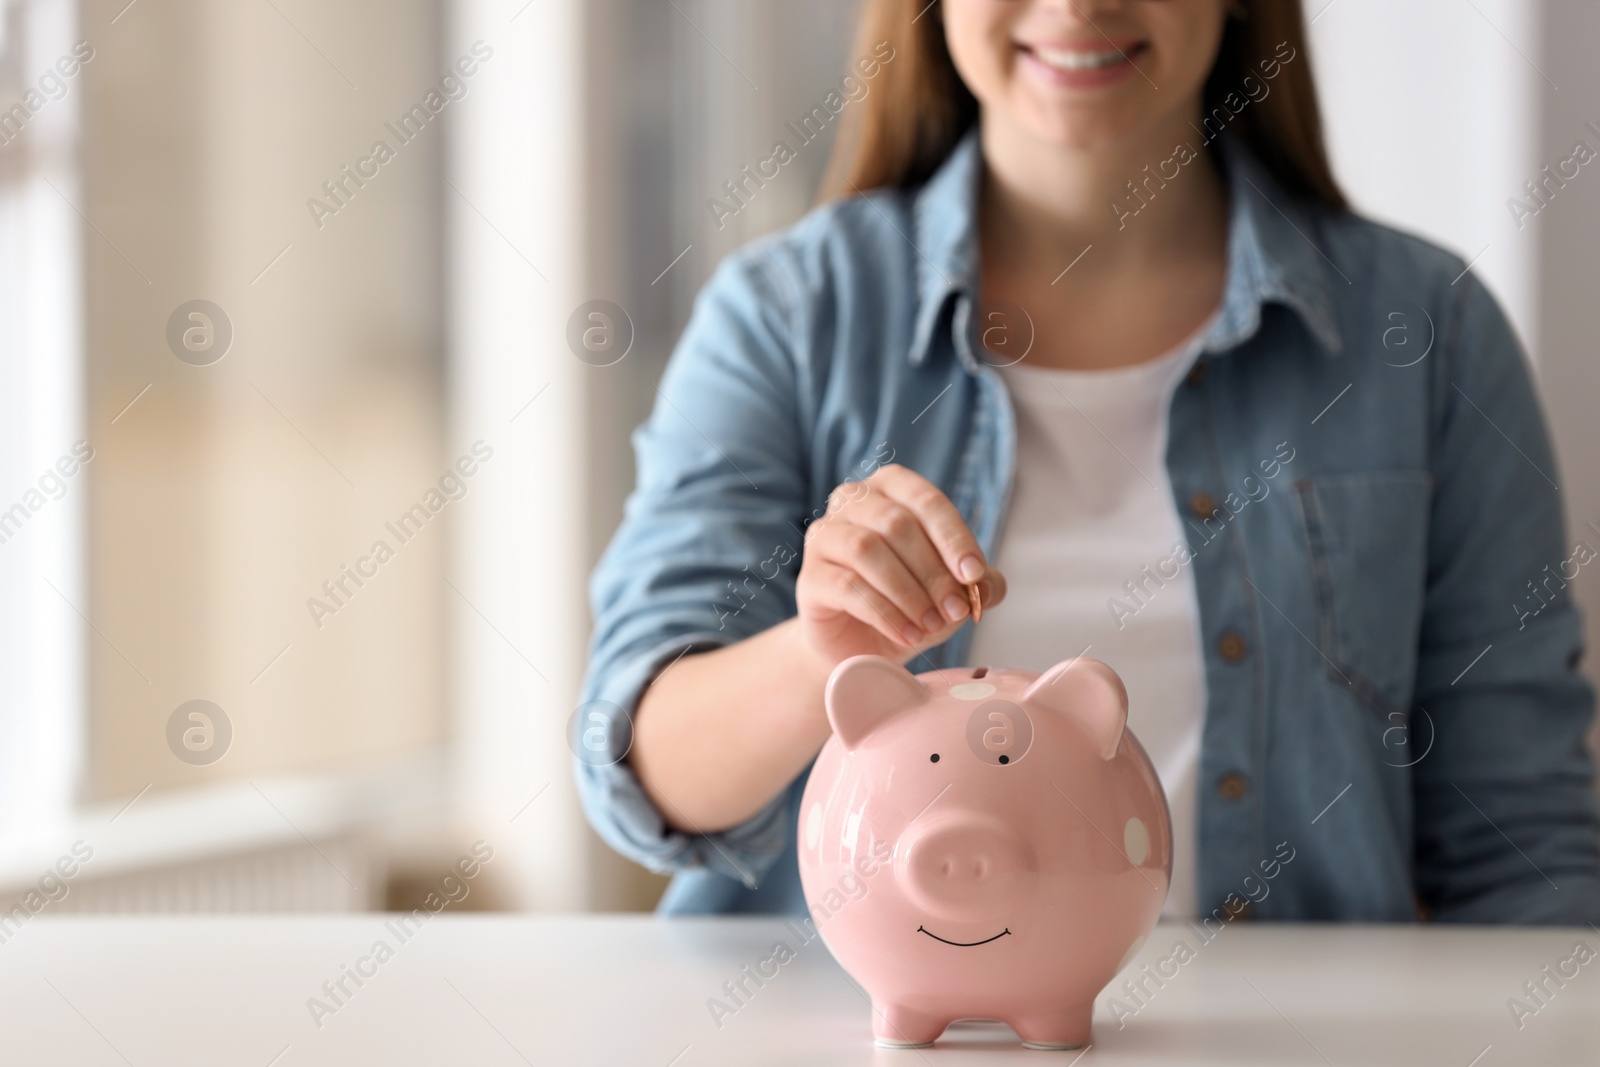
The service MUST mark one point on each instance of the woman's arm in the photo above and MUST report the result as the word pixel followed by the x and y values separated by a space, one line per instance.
pixel 683 752
pixel 1506 823
pixel 719 734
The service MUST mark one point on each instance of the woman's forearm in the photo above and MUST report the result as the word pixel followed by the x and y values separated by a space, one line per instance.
pixel 719 734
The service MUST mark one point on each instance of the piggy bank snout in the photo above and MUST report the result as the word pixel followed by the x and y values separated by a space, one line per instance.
pixel 961 867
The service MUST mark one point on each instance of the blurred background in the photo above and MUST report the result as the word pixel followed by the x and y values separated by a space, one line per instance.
pixel 304 460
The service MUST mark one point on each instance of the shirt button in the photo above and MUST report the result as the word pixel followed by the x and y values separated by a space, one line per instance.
pixel 1204 505
pixel 1232 647
pixel 1232 786
pixel 1197 374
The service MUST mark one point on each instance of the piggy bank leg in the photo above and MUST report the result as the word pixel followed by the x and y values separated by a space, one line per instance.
pixel 1054 1028
pixel 897 1026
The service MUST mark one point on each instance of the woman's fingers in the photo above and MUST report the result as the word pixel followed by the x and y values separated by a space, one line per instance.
pixel 877 565
pixel 903 531
pixel 840 590
pixel 945 527
pixel 893 555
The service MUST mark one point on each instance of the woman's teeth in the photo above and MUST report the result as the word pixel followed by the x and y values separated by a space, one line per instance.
pixel 1076 60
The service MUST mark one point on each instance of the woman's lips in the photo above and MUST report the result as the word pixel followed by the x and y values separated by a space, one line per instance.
pixel 1084 64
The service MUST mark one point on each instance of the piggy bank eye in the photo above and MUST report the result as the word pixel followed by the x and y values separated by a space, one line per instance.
pixel 934 758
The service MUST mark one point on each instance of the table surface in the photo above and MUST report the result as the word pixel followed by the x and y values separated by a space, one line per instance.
pixel 635 990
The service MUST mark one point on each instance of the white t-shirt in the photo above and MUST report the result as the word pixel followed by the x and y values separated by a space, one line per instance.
pixel 1091 507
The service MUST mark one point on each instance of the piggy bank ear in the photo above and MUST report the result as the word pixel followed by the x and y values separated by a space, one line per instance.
pixel 867 691
pixel 1088 693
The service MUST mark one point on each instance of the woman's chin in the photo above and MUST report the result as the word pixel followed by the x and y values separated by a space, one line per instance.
pixel 1077 129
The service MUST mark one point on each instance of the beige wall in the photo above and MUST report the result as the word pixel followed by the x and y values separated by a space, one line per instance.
pixel 226 495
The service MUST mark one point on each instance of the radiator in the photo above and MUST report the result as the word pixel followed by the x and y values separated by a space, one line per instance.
pixel 331 876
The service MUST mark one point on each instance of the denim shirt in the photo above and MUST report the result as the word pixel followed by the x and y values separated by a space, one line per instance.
pixel 1371 503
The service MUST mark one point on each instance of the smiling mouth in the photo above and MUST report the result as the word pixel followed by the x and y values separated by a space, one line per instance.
pixel 1082 60
pixel 963 944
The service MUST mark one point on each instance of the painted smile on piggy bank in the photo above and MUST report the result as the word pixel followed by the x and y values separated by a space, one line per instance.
pixel 1020 819
pixel 962 944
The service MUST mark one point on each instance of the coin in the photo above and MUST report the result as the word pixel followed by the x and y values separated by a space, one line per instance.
pixel 976 602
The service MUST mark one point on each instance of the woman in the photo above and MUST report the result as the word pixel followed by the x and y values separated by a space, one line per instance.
pixel 1280 466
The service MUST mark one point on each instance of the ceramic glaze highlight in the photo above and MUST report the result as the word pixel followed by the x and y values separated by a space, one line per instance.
pixel 1030 841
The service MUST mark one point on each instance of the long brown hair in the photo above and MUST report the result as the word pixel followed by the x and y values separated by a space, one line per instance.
pixel 899 134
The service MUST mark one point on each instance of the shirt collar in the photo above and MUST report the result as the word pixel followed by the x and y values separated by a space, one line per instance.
pixel 1271 257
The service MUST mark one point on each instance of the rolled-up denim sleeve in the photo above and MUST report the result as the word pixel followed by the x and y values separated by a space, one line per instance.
pixel 706 554
pixel 1506 823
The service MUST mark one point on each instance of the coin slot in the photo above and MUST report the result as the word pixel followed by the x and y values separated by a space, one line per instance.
pixel 979 672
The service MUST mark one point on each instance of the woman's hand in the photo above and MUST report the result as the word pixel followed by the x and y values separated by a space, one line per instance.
pixel 885 571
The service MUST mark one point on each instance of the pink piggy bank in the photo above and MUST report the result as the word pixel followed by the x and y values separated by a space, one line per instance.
pixel 983 844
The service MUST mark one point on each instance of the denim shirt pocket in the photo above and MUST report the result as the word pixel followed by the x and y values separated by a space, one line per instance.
pixel 1367 540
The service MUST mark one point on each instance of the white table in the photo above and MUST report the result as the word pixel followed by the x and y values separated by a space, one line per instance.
pixel 633 991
